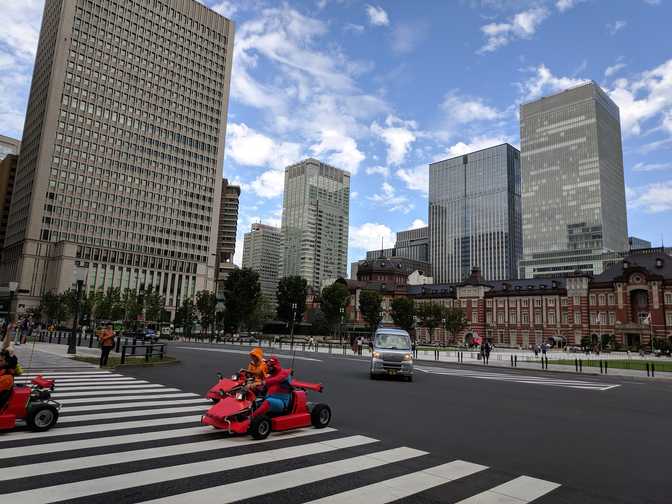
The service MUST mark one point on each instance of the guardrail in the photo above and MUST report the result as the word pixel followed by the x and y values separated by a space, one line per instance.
pixel 149 350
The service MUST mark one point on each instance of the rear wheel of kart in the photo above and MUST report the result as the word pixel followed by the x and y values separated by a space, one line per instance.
pixel 320 416
pixel 42 418
pixel 260 427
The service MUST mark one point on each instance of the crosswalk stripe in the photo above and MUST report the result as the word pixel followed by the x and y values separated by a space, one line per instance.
pixel 71 381
pixel 110 399
pixel 87 429
pixel 113 386
pixel 119 482
pixel 404 486
pixel 115 392
pixel 81 378
pixel 124 414
pixel 110 383
pixel 250 488
pixel 517 491
pixel 47 374
pixel 116 440
pixel 74 464
pixel 115 406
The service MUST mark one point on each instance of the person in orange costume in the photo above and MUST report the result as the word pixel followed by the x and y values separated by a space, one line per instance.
pixel 257 366
pixel 8 364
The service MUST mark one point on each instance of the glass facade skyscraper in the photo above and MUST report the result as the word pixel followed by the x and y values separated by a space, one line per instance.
pixel 475 215
pixel 573 187
pixel 262 248
pixel 315 218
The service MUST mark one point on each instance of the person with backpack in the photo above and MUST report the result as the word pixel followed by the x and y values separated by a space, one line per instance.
pixel 106 344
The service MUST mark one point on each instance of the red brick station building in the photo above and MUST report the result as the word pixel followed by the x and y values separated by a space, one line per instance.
pixel 631 301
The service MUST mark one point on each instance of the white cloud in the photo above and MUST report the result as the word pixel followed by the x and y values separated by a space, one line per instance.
pixel 407 36
pixel 544 82
pixel 614 69
pixel 616 26
pixel 354 195
pixel 565 5
pixel 418 223
pixel 398 135
pixel 645 98
pixel 377 15
pixel 368 236
pixel 477 143
pixel 649 167
pixel 226 8
pixel 652 198
pixel 269 184
pixel 416 179
pixel 378 170
pixel 388 198
pixel 341 150
pixel 463 109
pixel 250 148
pixel 238 254
pixel 354 28
pixel 521 26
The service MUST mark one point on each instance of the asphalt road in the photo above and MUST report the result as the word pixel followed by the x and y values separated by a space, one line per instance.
pixel 603 446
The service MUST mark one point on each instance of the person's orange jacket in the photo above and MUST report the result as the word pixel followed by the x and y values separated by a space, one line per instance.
pixel 107 338
pixel 257 366
pixel 6 380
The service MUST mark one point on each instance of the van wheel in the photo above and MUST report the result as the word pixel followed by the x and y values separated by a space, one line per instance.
pixel 409 378
pixel 320 416
pixel 373 376
pixel 260 427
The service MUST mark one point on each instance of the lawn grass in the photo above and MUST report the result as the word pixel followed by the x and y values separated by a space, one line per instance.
pixel 138 360
pixel 636 364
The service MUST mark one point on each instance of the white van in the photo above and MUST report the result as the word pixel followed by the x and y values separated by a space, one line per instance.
pixel 392 354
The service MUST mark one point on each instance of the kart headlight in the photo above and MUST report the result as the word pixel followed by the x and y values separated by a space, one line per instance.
pixel 377 355
pixel 239 396
pixel 408 357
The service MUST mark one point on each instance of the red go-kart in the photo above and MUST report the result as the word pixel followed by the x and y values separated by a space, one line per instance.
pixel 228 385
pixel 233 412
pixel 30 404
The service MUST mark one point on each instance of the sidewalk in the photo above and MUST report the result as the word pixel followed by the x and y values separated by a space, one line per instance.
pixel 45 356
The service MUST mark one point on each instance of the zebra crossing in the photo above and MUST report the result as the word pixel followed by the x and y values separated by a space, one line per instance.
pixel 117 441
pixel 518 378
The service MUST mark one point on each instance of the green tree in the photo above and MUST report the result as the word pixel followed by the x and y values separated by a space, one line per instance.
pixel 69 297
pixel 370 305
pixel 319 325
pixel 263 313
pixel 206 302
pixel 292 289
pixel 455 321
pixel 132 306
pixel 333 299
pixel 154 303
pixel 242 293
pixel 431 315
pixel 55 307
pixel 185 316
pixel 403 313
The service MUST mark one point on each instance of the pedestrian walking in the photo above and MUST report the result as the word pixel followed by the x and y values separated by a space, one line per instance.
pixel 106 344
pixel 360 344
pixel 311 343
pixel 488 349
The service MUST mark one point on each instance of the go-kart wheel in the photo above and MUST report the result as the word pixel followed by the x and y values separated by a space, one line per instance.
pixel 42 417
pixel 320 416
pixel 214 400
pixel 260 427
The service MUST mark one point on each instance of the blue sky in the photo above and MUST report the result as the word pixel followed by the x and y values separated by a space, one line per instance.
pixel 383 88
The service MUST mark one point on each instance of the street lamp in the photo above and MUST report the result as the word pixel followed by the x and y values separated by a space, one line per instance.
pixel 340 327
pixel 291 337
pixel 12 289
pixel 80 278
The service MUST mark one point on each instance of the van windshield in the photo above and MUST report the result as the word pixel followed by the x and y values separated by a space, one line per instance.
pixel 393 342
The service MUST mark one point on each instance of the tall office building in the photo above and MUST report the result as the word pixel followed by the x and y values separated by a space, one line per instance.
pixel 262 250
pixel 410 244
pixel 638 243
pixel 9 145
pixel 7 176
pixel 121 161
pixel 573 188
pixel 315 217
pixel 475 215
pixel 226 235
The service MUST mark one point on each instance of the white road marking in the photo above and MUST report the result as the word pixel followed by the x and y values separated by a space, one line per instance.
pixel 250 488
pixel 529 380
pixel 119 482
pixel 130 414
pixel 88 429
pixel 404 486
pixel 517 491
pixel 244 352
pixel 113 386
pixel 145 404
pixel 106 398
pixel 58 395
pixel 74 464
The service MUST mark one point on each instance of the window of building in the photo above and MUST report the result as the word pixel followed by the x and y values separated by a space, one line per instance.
pixel 488 318
pixel 611 299
pixel 612 318
pixel 500 317
pixel 537 302
pixel 537 318
pixel 593 299
pixel 551 318
pixel 668 317
pixel 668 298
pixel 577 318
pixel 564 318
pixel 602 299
pixel 525 317
pixel 512 317
pixel 577 300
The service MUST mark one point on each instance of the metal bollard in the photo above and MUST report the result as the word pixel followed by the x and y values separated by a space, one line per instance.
pixel 606 366
pixel 512 361
pixel 515 361
pixel 123 354
pixel 134 343
pixel 343 349
pixel 91 340
pixel 580 365
pixel 647 369
pixel 118 343
pixel 329 347
pixel 576 365
pixel 653 370
pixel 79 339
